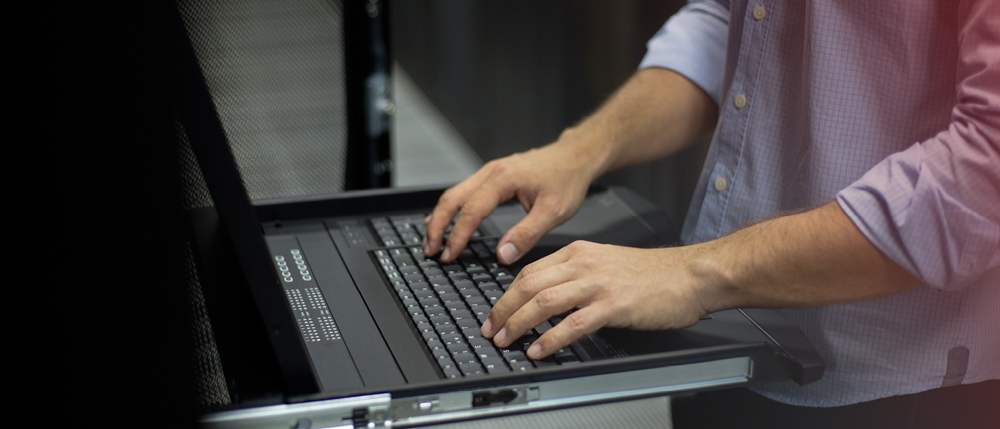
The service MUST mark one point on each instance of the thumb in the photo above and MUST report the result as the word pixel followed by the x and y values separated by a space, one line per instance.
pixel 522 237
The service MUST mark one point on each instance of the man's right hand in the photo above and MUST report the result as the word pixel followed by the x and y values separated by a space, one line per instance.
pixel 658 112
pixel 550 183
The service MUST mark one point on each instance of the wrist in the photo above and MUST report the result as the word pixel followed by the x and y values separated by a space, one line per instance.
pixel 712 278
pixel 589 148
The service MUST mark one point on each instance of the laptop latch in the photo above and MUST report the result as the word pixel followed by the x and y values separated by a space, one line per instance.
pixel 371 417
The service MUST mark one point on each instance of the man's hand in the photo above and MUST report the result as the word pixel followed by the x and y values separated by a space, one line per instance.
pixel 656 113
pixel 550 183
pixel 611 286
pixel 814 258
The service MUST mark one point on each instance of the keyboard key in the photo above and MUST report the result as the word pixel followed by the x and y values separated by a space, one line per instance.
pixel 562 353
pixel 464 284
pixel 464 358
pixel 441 354
pixel 521 366
pixel 452 372
pixel 436 312
pixel 456 306
pixel 495 365
pixel 440 320
pixel 543 363
pixel 493 293
pixel 524 342
pixel 470 294
pixel 452 339
pixel 480 250
pixel 462 315
pixel 433 272
pixel 484 352
pixel 472 333
pixel 471 370
pixel 403 260
pixel 543 327
pixel 466 322
pixel 459 347
pixel 447 363
pixel 449 297
pixel 480 342
pixel 430 301
pixel 456 277
pixel 439 281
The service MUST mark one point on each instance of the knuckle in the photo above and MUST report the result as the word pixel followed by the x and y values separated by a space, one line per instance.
pixel 548 298
pixel 500 167
pixel 576 322
pixel 526 283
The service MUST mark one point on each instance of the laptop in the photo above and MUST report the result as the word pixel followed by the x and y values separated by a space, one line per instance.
pixel 327 314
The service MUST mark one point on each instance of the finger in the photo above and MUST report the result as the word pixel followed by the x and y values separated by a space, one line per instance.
pixel 448 205
pixel 526 285
pixel 545 304
pixel 547 213
pixel 476 208
pixel 581 322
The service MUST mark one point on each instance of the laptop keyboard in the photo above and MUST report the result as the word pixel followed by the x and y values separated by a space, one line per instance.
pixel 449 302
pixel 405 230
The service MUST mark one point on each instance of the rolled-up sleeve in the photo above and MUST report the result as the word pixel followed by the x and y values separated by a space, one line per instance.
pixel 934 208
pixel 693 43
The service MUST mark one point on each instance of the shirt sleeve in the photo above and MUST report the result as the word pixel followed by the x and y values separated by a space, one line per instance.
pixel 934 208
pixel 693 43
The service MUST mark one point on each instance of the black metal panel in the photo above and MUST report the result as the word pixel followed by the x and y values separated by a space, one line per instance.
pixel 366 47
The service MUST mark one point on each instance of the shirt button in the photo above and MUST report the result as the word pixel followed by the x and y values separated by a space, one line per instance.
pixel 740 101
pixel 720 184
pixel 759 13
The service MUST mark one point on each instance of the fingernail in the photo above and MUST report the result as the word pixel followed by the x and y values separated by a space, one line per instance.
pixel 446 254
pixel 487 328
pixel 427 220
pixel 509 253
pixel 501 336
pixel 535 351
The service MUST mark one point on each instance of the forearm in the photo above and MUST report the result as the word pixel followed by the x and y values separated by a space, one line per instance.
pixel 656 113
pixel 810 259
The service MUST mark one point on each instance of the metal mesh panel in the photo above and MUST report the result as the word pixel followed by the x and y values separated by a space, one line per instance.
pixel 210 381
pixel 275 69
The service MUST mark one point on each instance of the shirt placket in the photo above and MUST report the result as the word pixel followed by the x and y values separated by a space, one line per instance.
pixel 731 137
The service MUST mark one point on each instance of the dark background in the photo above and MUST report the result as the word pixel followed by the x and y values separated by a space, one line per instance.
pixel 511 75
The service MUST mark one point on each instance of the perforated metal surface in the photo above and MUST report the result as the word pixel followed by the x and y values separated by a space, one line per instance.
pixel 275 69
pixel 210 380
pixel 276 73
